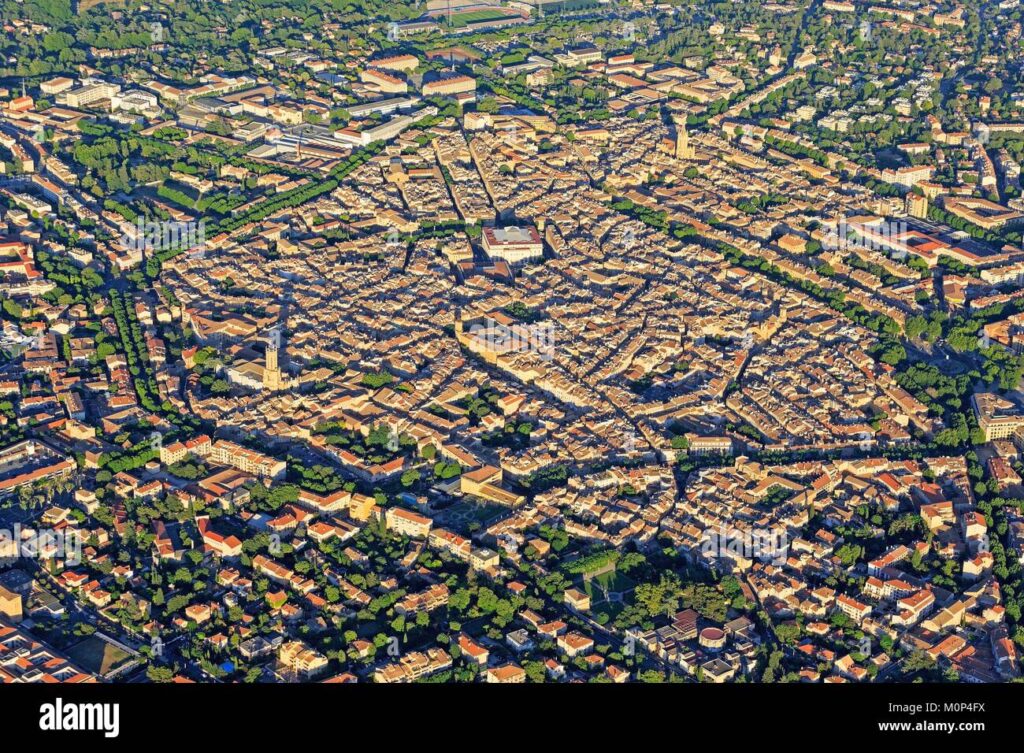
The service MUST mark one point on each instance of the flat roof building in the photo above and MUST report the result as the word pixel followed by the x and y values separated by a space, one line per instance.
pixel 513 244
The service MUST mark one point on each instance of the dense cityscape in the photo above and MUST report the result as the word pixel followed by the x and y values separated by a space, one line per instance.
pixel 511 341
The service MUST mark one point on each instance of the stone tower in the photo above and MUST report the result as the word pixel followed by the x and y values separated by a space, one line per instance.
pixel 683 148
pixel 272 368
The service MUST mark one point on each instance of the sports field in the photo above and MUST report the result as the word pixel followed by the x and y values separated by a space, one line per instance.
pixel 97 655
pixel 475 16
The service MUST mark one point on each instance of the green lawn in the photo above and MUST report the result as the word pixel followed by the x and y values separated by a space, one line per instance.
pixel 96 655
pixel 463 513
pixel 614 582
pixel 462 19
